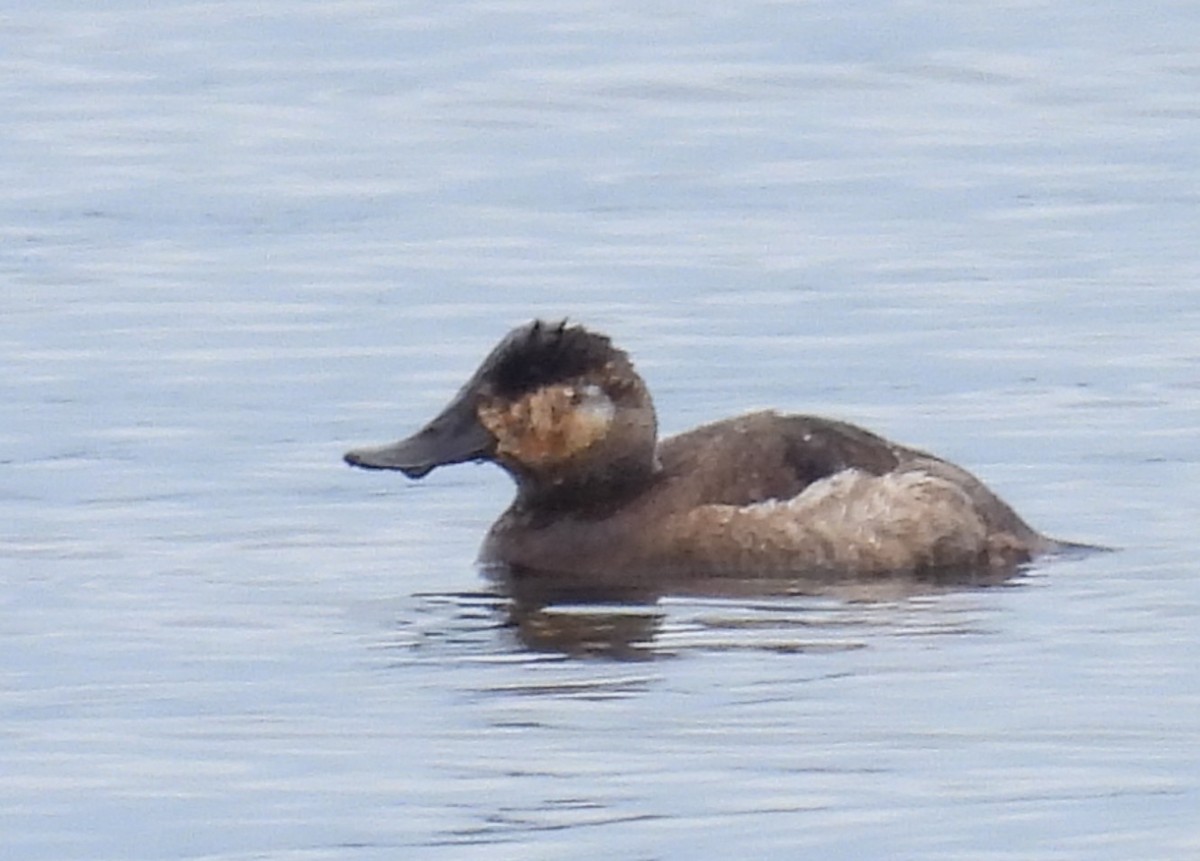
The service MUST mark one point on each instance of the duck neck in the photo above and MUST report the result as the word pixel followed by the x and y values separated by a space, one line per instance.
pixel 587 493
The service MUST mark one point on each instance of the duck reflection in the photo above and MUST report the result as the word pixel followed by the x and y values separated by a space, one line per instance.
pixel 623 618
pixel 623 632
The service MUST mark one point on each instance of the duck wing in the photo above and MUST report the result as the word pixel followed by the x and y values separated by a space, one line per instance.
pixel 830 495
pixel 767 456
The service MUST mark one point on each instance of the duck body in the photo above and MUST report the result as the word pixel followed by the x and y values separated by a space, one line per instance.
pixel 600 500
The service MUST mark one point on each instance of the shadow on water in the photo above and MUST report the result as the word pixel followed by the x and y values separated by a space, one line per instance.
pixel 555 614
pixel 638 617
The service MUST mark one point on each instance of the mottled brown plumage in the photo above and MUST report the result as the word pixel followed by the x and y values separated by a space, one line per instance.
pixel 601 502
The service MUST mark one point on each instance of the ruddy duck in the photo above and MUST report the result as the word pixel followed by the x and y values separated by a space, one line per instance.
pixel 601 499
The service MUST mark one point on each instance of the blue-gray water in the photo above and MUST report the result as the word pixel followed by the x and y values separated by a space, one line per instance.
pixel 238 238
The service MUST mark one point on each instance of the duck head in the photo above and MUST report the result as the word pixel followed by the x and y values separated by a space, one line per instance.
pixel 554 405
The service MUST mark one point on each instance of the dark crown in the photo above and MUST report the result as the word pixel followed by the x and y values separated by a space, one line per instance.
pixel 541 353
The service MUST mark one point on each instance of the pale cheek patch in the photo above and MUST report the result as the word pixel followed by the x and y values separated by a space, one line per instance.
pixel 549 426
pixel 592 416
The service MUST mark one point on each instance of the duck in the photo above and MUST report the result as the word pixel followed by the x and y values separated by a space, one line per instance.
pixel 600 499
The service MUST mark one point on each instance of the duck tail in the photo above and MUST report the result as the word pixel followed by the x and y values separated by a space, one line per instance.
pixel 1073 549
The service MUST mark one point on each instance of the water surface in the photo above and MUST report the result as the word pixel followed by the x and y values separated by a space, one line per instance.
pixel 237 239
